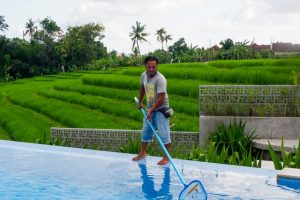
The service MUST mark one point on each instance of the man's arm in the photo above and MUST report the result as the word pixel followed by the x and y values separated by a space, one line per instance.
pixel 141 96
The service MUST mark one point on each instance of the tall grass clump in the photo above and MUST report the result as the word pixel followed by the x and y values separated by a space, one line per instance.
pixel 291 159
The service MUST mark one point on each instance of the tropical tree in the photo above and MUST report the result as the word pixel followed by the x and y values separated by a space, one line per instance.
pixel 241 50
pixel 3 25
pixel 50 28
pixel 4 42
pixel 82 44
pixel 3 68
pixel 43 42
pixel 178 49
pixel 168 37
pixel 160 33
pixel 162 55
pixel 30 28
pixel 227 44
pixel 138 35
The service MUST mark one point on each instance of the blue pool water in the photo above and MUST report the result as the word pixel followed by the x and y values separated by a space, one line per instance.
pixel 32 171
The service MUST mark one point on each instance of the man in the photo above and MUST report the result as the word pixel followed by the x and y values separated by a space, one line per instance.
pixel 154 85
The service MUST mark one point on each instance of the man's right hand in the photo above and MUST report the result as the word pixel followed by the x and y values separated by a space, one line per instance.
pixel 140 105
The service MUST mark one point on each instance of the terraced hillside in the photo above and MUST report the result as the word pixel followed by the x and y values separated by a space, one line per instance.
pixel 104 99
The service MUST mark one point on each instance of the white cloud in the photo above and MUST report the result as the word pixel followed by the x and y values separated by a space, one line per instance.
pixel 198 21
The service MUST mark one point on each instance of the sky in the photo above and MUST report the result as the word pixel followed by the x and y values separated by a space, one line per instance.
pixel 201 22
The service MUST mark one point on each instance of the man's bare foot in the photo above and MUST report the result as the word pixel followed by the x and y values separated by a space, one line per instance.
pixel 139 156
pixel 163 161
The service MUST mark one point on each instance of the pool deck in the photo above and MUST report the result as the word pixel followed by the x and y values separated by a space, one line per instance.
pixel 289 173
pixel 78 152
pixel 285 175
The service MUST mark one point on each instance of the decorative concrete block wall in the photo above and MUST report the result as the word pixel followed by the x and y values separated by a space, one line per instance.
pixel 113 140
pixel 272 110
pixel 250 100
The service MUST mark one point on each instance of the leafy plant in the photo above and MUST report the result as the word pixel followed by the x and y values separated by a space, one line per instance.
pixel 197 154
pixel 234 137
pixel 223 157
pixel 291 160
pixel 296 78
pixel 246 159
pixel 133 146
pixel 214 156
pixel 42 140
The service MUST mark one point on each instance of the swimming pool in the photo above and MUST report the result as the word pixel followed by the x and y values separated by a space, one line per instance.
pixel 32 171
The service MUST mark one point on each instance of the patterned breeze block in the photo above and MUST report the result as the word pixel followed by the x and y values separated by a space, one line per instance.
pixel 250 100
pixel 113 140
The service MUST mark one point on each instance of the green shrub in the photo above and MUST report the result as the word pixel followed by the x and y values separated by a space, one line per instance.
pixel 234 137
pixel 291 160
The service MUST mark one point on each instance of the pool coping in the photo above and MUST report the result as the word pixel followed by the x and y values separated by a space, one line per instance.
pixel 286 177
pixel 126 157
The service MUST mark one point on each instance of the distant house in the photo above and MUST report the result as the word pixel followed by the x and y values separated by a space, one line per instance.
pixel 278 47
pixel 258 47
pixel 285 47
pixel 214 48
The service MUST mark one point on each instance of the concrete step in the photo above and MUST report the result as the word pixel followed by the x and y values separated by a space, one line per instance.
pixel 289 145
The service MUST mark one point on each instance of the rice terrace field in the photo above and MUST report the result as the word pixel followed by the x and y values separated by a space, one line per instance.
pixel 104 99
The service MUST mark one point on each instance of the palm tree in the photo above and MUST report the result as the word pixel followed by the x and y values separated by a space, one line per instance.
pixel 138 35
pixel 3 25
pixel 161 36
pixel 167 38
pixel 30 28
pixel 226 44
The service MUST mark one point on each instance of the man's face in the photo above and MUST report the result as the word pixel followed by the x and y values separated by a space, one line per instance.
pixel 151 68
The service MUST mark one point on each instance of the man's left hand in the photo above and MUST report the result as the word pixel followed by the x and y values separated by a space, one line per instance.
pixel 149 115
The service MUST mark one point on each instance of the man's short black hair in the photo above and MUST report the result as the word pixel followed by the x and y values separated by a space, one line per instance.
pixel 150 58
